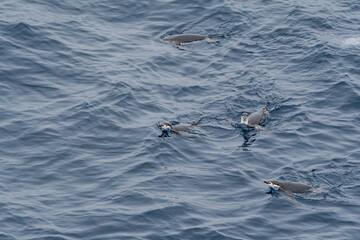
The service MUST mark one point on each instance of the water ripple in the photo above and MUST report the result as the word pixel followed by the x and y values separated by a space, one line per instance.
pixel 83 85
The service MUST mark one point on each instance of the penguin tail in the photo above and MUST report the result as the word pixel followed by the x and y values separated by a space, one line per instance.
pixel 197 123
pixel 218 36
pixel 267 104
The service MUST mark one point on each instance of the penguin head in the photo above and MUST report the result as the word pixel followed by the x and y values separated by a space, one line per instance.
pixel 272 185
pixel 165 128
pixel 244 118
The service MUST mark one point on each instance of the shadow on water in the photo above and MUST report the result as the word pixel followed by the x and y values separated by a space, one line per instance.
pixel 248 134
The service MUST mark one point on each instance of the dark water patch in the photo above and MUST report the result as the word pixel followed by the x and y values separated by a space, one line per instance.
pixel 319 56
pixel 122 12
pixel 317 23
pixel 65 7
pixel 22 31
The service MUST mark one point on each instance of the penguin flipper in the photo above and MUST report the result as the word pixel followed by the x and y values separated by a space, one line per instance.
pixel 292 198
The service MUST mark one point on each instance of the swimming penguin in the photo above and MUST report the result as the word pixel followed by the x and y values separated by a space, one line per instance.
pixel 180 129
pixel 256 118
pixel 290 188
pixel 187 38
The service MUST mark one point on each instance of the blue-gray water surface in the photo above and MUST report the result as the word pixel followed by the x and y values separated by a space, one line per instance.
pixel 83 85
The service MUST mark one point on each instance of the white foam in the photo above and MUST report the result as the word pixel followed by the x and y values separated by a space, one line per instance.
pixel 353 41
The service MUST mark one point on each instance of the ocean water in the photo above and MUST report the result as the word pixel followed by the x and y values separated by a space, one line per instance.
pixel 83 85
